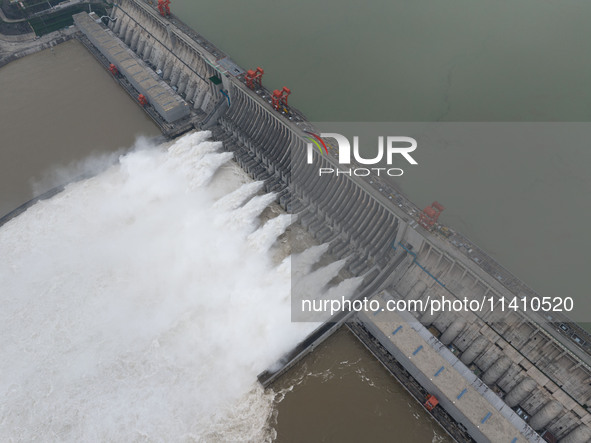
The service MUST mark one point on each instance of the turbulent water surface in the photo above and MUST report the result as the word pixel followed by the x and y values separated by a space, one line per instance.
pixel 57 107
pixel 142 303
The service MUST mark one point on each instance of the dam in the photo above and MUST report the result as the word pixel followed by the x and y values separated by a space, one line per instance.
pixel 533 378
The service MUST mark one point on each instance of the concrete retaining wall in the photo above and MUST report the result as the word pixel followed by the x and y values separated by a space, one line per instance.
pixel 161 96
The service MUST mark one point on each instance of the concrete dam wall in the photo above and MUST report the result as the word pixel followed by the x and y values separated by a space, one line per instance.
pixel 168 104
pixel 175 56
pixel 543 378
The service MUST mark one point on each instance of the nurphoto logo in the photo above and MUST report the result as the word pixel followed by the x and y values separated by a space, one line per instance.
pixel 388 147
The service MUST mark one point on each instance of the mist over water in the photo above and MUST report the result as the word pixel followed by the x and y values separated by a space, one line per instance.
pixel 142 303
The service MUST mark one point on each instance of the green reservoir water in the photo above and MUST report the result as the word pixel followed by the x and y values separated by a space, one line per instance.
pixel 427 60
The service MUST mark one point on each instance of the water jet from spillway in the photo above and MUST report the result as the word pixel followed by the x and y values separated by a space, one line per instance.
pixel 135 305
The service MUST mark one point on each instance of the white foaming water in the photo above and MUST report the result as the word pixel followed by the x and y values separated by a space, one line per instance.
pixel 264 238
pixel 238 197
pixel 303 263
pixel 318 279
pixel 135 308
pixel 244 217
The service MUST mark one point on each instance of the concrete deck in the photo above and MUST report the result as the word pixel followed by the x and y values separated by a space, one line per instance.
pixel 459 391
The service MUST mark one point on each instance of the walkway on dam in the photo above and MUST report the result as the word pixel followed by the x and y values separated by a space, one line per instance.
pixel 458 390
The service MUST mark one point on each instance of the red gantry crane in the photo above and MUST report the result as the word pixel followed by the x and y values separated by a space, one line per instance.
pixel 279 98
pixel 163 7
pixel 430 214
pixel 254 78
